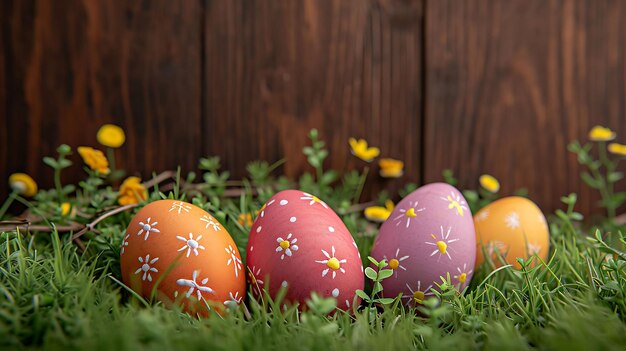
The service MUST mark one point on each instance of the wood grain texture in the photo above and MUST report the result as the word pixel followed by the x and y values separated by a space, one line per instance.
pixel 275 69
pixel 509 84
pixel 478 86
pixel 70 66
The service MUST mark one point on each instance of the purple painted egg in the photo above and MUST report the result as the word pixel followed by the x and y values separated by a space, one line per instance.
pixel 429 235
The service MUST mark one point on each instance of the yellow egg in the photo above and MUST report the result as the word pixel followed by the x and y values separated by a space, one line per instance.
pixel 514 227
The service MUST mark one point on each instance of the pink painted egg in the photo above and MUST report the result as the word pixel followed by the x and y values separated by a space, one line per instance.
pixel 298 242
pixel 429 235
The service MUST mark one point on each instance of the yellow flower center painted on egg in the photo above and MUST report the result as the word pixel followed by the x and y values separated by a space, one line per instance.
pixel 316 199
pixel 462 277
pixel 284 244
pixel 455 204
pixel 410 212
pixel 393 264
pixel 419 296
pixel 333 263
pixel 443 247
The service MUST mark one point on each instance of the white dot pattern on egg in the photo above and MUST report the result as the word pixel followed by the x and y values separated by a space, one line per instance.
pixel 296 245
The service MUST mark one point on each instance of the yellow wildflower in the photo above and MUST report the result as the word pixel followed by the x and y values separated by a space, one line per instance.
pixel 617 149
pixel 600 133
pixel 23 184
pixel 245 219
pixel 489 182
pixel 111 135
pixel 362 151
pixel 379 213
pixel 95 159
pixel 65 208
pixel 391 168
pixel 132 191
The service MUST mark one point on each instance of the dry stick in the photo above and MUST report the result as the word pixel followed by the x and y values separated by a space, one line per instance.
pixel 90 226
pixel 163 176
pixel 25 225
pixel 359 207
pixel 65 228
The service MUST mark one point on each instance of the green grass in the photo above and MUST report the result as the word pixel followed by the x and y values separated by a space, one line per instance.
pixel 56 298
pixel 53 296
pixel 56 295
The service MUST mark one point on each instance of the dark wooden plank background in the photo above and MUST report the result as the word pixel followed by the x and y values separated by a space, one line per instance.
pixel 477 86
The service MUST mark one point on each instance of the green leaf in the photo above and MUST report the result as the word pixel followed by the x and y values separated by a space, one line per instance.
pixel 598 235
pixel 363 295
pixel 385 273
pixel 589 180
pixel 562 215
pixel 378 287
pixel 51 162
pixel 314 161
pixel 322 154
pixel 64 163
pixel 576 216
pixel 573 147
pixel 370 273
pixel 618 199
pixel 373 260
pixel 64 149
pixel 470 195
pixel 329 177
pixel 448 176
pixel 69 189
pixel 614 176
pixel 583 158
pixel 385 300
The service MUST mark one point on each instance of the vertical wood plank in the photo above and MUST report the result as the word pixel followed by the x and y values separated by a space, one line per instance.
pixel 510 83
pixel 70 66
pixel 349 68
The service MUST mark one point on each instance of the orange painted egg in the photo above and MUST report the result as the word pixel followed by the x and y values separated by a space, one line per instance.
pixel 299 243
pixel 513 227
pixel 184 255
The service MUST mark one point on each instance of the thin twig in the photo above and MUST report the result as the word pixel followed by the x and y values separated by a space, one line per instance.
pixel 360 207
pixel 90 226
pixel 72 227
pixel 161 177
pixel 5 226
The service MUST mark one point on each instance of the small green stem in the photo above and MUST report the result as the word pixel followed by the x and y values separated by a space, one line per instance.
pixel 319 172
pixel 7 203
pixel 111 157
pixel 357 195
pixel 603 191
pixel 610 168
pixel 57 184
